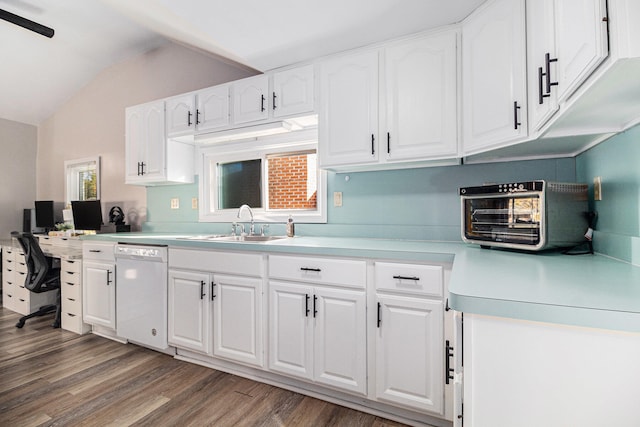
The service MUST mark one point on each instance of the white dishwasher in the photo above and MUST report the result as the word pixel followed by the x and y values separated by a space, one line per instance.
pixel 141 294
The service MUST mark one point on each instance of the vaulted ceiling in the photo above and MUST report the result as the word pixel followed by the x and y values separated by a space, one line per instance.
pixel 39 74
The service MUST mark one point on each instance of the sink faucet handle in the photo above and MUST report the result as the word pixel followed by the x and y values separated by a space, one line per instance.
pixel 263 228
pixel 234 228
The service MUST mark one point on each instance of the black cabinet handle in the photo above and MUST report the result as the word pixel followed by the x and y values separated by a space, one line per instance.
pixel 315 311
pixel 306 305
pixel 142 165
pixel 109 273
pixel 548 60
pixel 406 278
pixel 373 148
pixel 202 289
pixel 516 123
pixel 213 285
pixel 379 314
pixel 317 270
pixel 189 114
pixel 197 116
pixel 448 370
pixel 274 100
pixel 541 94
pixel 95 250
pixel 262 102
pixel 139 168
pixel 388 142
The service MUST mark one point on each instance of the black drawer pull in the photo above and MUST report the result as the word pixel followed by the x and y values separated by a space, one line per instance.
pixel 95 250
pixel 306 305
pixel 406 278
pixel 317 270
pixel 379 314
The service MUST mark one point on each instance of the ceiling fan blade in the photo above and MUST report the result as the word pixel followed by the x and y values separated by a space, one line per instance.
pixel 26 23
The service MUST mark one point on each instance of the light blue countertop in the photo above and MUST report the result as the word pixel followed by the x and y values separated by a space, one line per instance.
pixel 582 290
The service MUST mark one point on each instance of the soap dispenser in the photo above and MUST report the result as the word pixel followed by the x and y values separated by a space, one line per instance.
pixel 291 228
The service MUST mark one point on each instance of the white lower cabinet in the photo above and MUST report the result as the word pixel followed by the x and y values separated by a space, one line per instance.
pixel 99 284
pixel 318 333
pixel 217 314
pixel 189 311
pixel 410 336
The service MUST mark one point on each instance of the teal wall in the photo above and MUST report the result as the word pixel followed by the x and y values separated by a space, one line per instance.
pixel 617 162
pixel 417 204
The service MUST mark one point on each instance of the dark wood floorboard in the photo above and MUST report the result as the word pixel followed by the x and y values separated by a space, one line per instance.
pixel 52 377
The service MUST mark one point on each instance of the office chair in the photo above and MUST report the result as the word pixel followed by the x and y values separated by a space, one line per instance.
pixel 41 276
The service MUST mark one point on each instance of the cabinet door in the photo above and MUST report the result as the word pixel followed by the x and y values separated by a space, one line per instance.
pixel 494 79
pixel 134 141
pixel 293 91
pixel 409 353
pixel 291 329
pixel 145 143
pixel 420 99
pixel 99 294
pixel 188 311
pixel 181 119
pixel 340 344
pixel 543 99
pixel 348 119
pixel 581 41
pixel 154 142
pixel 250 99
pixel 237 318
pixel 213 108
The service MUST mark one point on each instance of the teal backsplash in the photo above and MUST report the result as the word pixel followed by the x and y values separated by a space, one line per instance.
pixel 617 162
pixel 416 204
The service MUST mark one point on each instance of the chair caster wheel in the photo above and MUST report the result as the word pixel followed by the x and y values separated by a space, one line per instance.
pixel 20 324
pixel 56 325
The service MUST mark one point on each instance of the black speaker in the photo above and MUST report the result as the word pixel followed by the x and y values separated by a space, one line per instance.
pixel 26 220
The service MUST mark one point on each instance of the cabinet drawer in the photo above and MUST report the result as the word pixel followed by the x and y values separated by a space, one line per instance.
pixel 7 260
pixel 70 277
pixel 72 305
pixel 19 277
pixel 20 265
pixel 72 265
pixel 350 273
pixel 99 251
pixel 21 305
pixel 219 262
pixel 72 322
pixel 409 278
pixel 71 290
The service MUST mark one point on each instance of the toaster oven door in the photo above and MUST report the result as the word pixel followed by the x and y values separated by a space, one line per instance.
pixel 510 220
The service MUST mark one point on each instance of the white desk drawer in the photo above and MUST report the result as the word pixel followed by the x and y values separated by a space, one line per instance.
pixel 70 277
pixel 341 272
pixel 73 322
pixel 409 278
pixel 73 265
pixel 20 265
pixel 71 290
pixel 72 305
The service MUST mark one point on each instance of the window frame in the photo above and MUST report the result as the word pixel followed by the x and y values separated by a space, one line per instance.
pixel 260 148
pixel 71 168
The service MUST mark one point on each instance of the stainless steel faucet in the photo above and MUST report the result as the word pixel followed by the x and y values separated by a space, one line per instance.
pixel 243 208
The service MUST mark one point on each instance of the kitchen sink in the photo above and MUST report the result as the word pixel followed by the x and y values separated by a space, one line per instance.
pixel 228 238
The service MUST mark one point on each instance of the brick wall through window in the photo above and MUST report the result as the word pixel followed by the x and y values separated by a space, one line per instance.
pixel 292 182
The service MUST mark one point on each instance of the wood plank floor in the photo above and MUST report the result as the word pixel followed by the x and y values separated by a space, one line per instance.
pixel 52 377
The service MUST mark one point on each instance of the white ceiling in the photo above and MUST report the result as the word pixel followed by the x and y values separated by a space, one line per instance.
pixel 39 74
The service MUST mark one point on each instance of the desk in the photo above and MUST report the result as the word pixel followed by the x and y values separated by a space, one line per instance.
pixel 17 298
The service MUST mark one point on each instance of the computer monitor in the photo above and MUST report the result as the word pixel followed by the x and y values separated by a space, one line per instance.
pixel 45 217
pixel 87 214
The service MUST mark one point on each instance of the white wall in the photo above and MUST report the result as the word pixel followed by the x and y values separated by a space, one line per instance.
pixel 91 123
pixel 18 147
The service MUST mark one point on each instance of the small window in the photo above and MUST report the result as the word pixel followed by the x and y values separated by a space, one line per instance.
pixel 277 176
pixel 240 183
pixel 82 179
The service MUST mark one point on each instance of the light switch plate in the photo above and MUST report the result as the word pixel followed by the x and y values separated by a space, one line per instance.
pixel 175 203
pixel 194 203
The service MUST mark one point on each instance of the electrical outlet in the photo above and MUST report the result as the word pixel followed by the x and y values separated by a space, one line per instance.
pixel 194 203
pixel 337 199
pixel 175 203
pixel 597 188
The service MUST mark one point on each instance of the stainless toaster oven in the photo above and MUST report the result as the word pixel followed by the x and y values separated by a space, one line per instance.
pixel 530 215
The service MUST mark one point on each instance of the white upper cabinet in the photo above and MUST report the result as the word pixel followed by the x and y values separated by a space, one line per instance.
pixel 181 115
pixel 150 157
pixel 420 99
pixel 567 40
pixel 293 91
pixel 250 99
pixel 494 76
pixel 348 116
pixel 408 114
pixel 212 110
